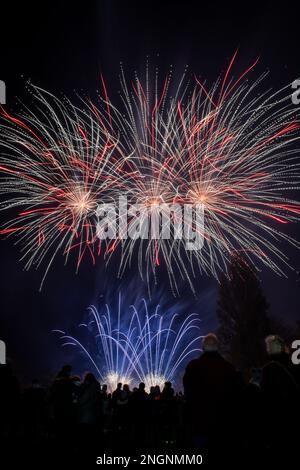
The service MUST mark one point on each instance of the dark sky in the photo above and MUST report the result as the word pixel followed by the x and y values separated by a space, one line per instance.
pixel 64 46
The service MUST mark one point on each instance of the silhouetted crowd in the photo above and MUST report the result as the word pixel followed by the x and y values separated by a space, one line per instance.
pixel 220 410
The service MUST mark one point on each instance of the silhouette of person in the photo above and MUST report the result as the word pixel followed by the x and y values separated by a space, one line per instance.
pixel 89 400
pixel 117 395
pixel 61 401
pixel 140 414
pixel 106 408
pixel 89 409
pixel 168 410
pixel 280 395
pixel 211 386
pixel 123 407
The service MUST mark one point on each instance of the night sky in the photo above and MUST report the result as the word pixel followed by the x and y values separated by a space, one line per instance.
pixel 64 46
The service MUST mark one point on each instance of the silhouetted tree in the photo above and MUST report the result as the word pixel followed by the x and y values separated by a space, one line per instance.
pixel 242 313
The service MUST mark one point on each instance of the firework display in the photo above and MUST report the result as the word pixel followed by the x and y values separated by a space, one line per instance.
pixel 132 345
pixel 231 148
